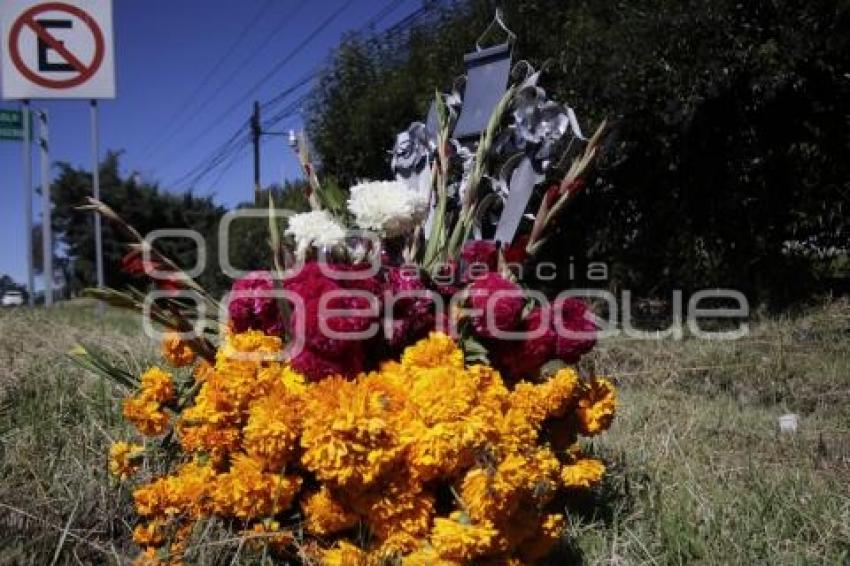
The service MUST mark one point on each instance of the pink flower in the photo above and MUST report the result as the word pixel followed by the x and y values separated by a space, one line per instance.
pixel 576 332
pixel 522 359
pixel 253 308
pixel 330 333
pixel 314 366
pixel 412 316
pixel 308 280
pixel 363 280
pixel 447 279
pixel 515 253
pixel 315 315
pixel 480 252
pixel 497 312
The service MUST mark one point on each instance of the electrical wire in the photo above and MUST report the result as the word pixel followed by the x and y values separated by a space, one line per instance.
pixel 179 126
pixel 175 119
pixel 278 66
pixel 226 154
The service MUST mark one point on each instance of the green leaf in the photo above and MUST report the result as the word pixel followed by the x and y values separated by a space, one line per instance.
pixel 474 351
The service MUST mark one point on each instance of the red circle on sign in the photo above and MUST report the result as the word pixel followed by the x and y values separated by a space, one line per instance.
pixel 28 19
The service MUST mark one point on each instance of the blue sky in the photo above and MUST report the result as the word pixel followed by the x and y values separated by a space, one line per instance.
pixel 164 49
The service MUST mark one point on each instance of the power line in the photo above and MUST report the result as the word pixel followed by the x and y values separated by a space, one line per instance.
pixel 374 20
pixel 187 103
pixel 231 149
pixel 232 142
pixel 243 64
pixel 228 152
pixel 236 143
pixel 292 88
pixel 289 56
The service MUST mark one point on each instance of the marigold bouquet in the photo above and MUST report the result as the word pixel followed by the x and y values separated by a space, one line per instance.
pixel 391 397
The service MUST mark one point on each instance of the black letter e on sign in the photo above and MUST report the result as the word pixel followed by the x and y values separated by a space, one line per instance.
pixel 43 47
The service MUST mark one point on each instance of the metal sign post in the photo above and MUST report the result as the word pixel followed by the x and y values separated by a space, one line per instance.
pixel 95 171
pixel 56 50
pixel 27 134
pixel 46 228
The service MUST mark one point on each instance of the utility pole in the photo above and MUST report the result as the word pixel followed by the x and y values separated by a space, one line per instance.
pixel 46 228
pixel 26 117
pixel 255 139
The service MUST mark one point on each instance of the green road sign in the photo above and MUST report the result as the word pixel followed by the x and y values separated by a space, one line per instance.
pixel 11 125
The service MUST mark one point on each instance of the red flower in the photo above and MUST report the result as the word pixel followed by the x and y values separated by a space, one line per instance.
pixel 482 252
pixel 253 308
pixel 504 310
pixel 574 329
pixel 315 316
pixel 447 279
pixel 515 253
pixel 522 359
pixel 168 284
pixel 328 332
pixel 308 280
pixel 412 316
pixel 344 276
pixel 134 264
pixel 314 366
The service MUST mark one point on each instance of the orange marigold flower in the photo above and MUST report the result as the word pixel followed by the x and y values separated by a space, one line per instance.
pixel 352 429
pixel 344 554
pixel 202 371
pixel 445 449
pixel 146 415
pixel 273 428
pixel 246 491
pixel 427 556
pixel 518 480
pixel 399 514
pixel 583 473
pixel 325 514
pixel 157 385
pixel 265 348
pixel 150 534
pixel 457 538
pixel 176 351
pixel 124 459
pixel 596 406
pixel 557 394
pixel 436 351
pixel 374 450
pixel 184 493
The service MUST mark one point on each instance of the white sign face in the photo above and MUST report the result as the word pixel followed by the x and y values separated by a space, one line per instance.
pixel 60 49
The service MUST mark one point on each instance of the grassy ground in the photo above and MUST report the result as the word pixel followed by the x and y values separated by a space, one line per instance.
pixel 699 471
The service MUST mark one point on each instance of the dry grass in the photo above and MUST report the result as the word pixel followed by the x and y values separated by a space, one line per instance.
pixel 700 472
pixel 57 503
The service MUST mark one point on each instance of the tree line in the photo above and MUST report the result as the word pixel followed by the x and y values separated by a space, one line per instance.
pixel 147 207
pixel 727 165
pixel 728 161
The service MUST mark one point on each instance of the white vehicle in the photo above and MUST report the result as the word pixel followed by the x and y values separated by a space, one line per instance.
pixel 12 299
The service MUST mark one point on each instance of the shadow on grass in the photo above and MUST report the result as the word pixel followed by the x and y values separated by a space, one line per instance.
pixel 602 508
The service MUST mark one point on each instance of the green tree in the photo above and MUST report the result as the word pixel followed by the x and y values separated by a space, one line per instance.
pixel 730 136
pixel 147 207
pixel 143 206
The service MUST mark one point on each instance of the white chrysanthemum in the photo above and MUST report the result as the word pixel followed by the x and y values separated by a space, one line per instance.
pixel 316 228
pixel 390 207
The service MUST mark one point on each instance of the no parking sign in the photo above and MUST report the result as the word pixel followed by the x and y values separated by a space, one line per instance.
pixel 60 49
